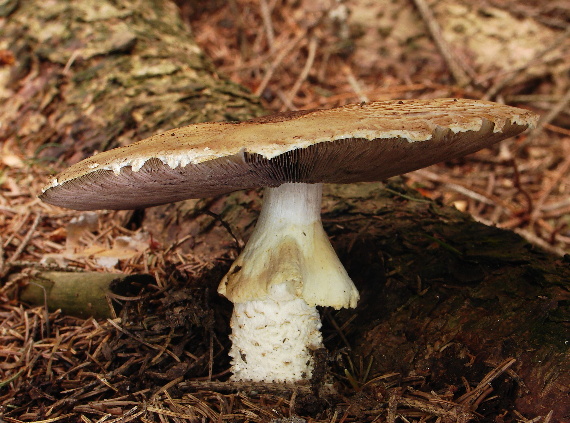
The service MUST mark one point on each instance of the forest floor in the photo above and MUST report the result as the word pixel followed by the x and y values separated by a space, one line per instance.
pixel 321 54
pixel 294 55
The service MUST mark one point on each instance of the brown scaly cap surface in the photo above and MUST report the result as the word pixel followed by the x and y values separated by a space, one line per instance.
pixel 354 143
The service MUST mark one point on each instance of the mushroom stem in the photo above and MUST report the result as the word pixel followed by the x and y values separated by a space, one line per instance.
pixel 287 268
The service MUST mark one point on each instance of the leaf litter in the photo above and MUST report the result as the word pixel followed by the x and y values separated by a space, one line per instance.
pixel 295 55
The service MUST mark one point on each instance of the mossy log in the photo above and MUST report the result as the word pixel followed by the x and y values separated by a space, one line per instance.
pixel 442 296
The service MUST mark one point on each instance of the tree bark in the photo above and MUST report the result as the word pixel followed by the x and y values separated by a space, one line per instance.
pixel 89 76
pixel 442 296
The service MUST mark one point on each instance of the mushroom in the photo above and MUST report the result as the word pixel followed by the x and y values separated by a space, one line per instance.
pixel 288 266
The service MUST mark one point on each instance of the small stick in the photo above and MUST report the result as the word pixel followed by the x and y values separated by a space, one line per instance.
pixel 363 98
pixel 306 69
pixel 26 239
pixel 227 227
pixel 548 417
pixel 275 64
pixel 519 186
pixel 211 358
pixel 550 116
pixel 454 65
pixel 455 410
pixel 286 102
pixel 138 339
pixel 46 309
pixel 16 229
pixel 472 396
pixel 557 129
pixel 239 386
pixel 483 197
pixel 553 207
pixel 560 173
pixel 338 329
pixel 533 239
pixel 392 408
pixel 266 15
pixel 2 260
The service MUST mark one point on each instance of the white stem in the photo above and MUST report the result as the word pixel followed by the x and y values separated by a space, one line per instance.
pixel 286 269
pixel 289 245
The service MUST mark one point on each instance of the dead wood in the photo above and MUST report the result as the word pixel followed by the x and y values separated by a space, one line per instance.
pixel 82 294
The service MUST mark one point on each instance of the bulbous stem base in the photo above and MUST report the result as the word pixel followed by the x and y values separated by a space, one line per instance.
pixel 273 340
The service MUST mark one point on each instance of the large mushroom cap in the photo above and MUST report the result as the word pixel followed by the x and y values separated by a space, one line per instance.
pixel 354 143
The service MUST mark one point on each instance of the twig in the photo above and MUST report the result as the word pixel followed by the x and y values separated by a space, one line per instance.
pixel 549 117
pixel 518 185
pixel 560 173
pixel 553 232
pixel 548 417
pixel 392 408
pixel 407 197
pixel 306 69
pixel 354 84
pixel 553 207
pixel 178 243
pixel 238 386
pixel 166 387
pixel 138 339
pixel 227 227
pixel 456 411
pixel 338 329
pixel 26 239
pixel 483 197
pixel 16 229
pixel 46 309
pixel 211 357
pixel 471 397
pixel 557 129
pixel 453 64
pixel 2 259
pixel 285 100
pixel 267 24
pixel 277 61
